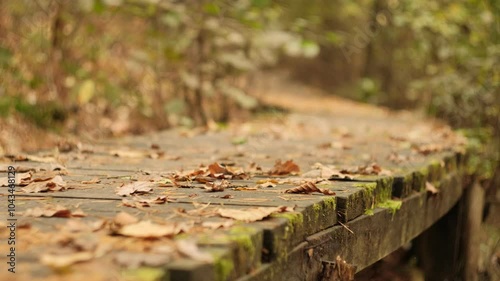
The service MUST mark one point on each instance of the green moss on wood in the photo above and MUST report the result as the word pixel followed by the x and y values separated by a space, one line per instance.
pixel 144 274
pixel 392 205
pixel 317 209
pixel 223 269
pixel 384 189
pixel 330 202
pixel 243 237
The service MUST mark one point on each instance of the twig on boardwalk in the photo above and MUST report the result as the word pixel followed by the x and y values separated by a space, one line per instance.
pixel 346 227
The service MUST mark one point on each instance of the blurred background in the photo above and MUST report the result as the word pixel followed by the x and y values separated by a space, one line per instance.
pixel 100 68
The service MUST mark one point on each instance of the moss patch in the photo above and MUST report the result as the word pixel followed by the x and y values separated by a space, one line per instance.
pixel 330 202
pixel 144 274
pixel 369 212
pixel 243 237
pixel 223 268
pixel 392 205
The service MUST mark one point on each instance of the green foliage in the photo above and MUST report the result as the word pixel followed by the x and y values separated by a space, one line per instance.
pixel 47 115
pixel 199 53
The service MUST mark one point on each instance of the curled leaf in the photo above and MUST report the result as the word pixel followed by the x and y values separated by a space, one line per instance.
pixel 147 229
pixel 138 187
pixel 286 168
pixel 54 184
pixel 217 186
pixel 251 214
pixel 309 187
pixel 53 211
pixel 61 261
pixel 92 181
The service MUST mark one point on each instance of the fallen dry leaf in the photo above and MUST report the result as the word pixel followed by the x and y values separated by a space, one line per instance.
pixel 134 204
pixel 219 171
pixel 216 168
pixel 147 229
pixel 266 184
pixel 431 188
pixel 41 159
pixel 55 184
pixel 127 153
pixel 65 260
pixel 202 179
pixel 426 149
pixel 398 158
pixel 124 218
pixel 44 175
pixel 21 179
pixel 52 211
pixel 371 169
pixel 92 181
pixel 244 188
pixel 144 202
pixel 217 224
pixel 74 225
pixel 309 187
pixel 217 186
pixel 286 168
pixel 251 214
pixel 138 187
pixel 191 250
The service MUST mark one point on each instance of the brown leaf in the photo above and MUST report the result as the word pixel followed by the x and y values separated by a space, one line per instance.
pixel 21 179
pixel 266 184
pixel 127 153
pixel 431 188
pixel 249 215
pixel 191 250
pixel 92 181
pixel 138 187
pixel 75 225
pixel 202 179
pixel 44 175
pixel 341 176
pixel 144 202
pixel 216 168
pixel 217 186
pixel 217 224
pixel 134 204
pixel 41 159
pixel 244 188
pixel 147 229
pixel 65 260
pixel 78 213
pixel 219 171
pixel 286 168
pixel 398 158
pixel 372 169
pixel 426 149
pixel 51 211
pixel 309 187
pixel 55 184
pixel 124 218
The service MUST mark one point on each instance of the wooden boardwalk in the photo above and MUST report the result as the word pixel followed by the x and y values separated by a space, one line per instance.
pixel 216 205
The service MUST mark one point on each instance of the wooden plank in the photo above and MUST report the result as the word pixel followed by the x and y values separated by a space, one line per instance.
pixel 373 236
